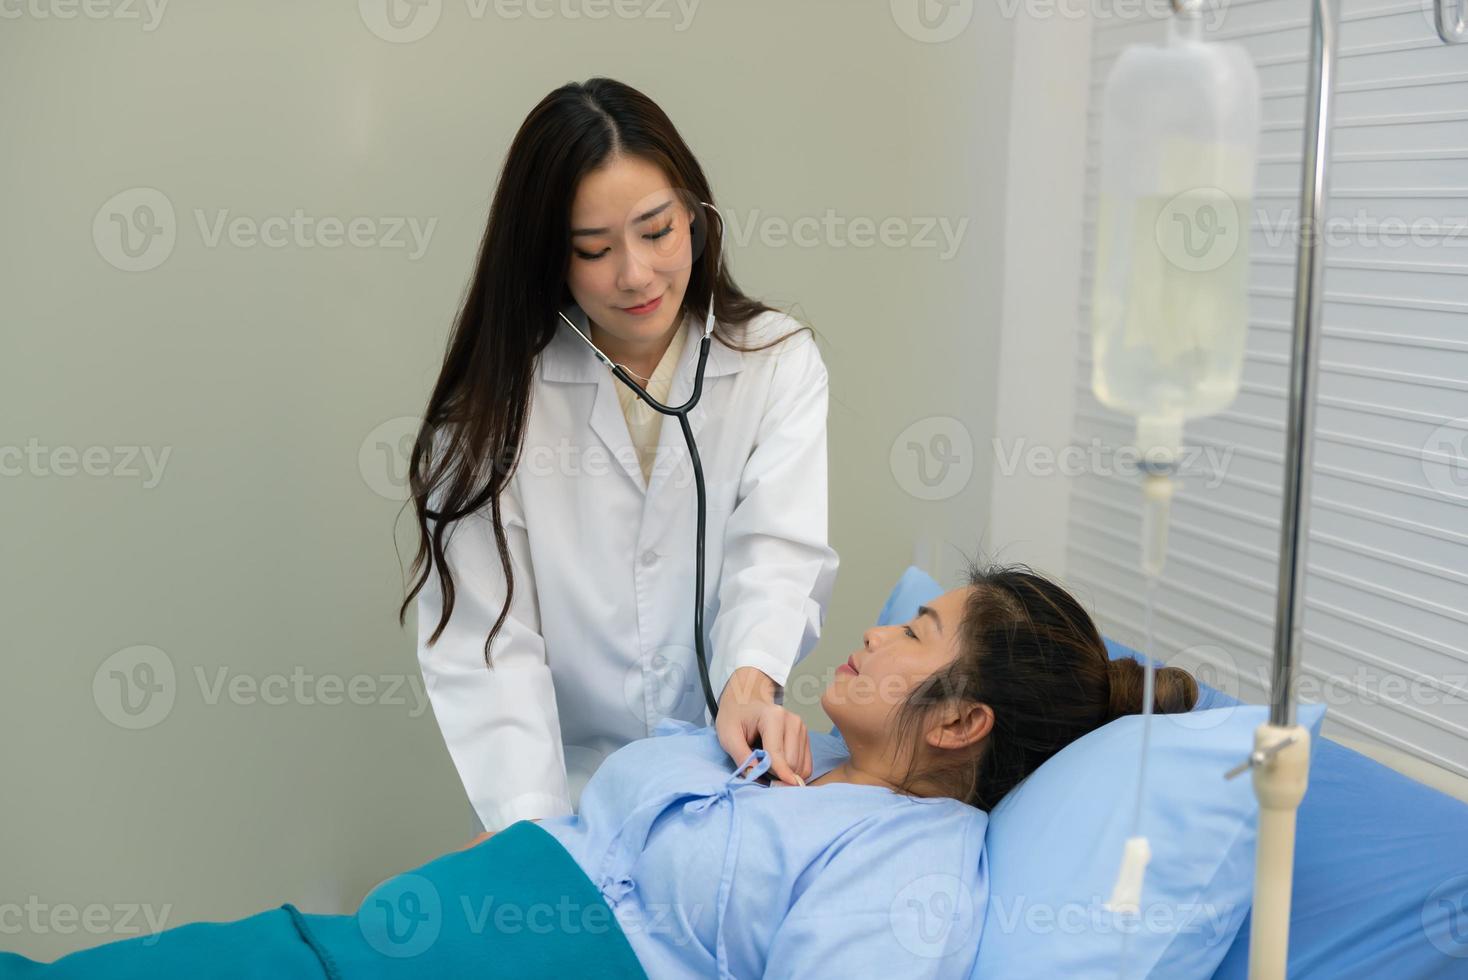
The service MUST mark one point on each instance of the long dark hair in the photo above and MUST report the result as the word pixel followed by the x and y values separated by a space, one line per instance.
pixel 1031 652
pixel 474 426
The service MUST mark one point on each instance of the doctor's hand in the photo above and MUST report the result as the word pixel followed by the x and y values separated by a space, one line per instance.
pixel 747 712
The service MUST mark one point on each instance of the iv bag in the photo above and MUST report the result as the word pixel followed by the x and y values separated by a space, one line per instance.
pixel 1169 309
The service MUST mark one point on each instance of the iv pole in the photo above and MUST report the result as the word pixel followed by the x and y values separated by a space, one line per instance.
pixel 1281 757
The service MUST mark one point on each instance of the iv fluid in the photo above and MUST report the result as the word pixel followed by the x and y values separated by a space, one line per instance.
pixel 1169 307
pixel 1169 320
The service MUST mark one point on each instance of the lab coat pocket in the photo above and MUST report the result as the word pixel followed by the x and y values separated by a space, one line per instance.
pixel 722 497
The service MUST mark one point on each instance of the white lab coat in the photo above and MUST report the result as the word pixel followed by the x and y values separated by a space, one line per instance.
pixel 598 647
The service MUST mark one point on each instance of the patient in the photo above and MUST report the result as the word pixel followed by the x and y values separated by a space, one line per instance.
pixel 677 866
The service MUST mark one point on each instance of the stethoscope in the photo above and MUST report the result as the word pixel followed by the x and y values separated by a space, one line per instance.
pixel 681 412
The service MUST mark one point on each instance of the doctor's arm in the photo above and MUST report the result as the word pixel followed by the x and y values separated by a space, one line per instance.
pixel 778 569
pixel 500 723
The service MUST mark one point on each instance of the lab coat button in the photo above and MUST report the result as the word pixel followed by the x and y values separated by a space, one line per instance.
pixel 649 558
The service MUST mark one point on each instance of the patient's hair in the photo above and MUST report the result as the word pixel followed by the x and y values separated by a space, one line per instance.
pixel 1029 651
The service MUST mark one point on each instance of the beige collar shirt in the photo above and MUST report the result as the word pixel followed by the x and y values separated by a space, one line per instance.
pixel 643 423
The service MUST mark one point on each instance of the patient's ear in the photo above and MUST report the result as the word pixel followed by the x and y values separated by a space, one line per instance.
pixel 962 725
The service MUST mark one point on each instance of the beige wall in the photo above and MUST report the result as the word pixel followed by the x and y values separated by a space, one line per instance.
pixel 259 550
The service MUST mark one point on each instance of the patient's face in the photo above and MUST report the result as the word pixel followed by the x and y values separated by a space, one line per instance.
pixel 892 662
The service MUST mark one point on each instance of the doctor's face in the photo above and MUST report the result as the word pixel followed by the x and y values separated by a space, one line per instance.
pixel 892 662
pixel 630 245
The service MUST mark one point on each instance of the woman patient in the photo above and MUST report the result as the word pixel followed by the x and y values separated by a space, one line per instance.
pixel 678 867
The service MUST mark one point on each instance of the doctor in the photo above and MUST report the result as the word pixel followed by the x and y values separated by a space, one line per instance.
pixel 557 512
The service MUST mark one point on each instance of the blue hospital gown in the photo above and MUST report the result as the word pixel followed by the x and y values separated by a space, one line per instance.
pixel 711 873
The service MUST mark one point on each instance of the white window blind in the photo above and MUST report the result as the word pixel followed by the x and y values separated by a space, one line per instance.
pixel 1386 620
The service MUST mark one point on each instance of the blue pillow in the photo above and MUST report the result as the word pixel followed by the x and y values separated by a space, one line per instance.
pixel 1054 845
pixel 1381 872
pixel 914 588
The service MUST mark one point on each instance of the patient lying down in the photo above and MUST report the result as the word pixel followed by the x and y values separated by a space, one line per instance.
pixel 690 867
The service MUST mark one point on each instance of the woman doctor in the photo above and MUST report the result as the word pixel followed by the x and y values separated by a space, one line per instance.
pixel 557 513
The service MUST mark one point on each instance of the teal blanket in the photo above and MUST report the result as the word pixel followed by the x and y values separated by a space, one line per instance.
pixel 514 906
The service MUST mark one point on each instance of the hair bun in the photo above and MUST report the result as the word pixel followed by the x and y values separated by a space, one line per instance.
pixel 1174 689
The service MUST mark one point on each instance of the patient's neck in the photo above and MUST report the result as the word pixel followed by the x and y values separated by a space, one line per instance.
pixel 847 772
pixel 872 765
